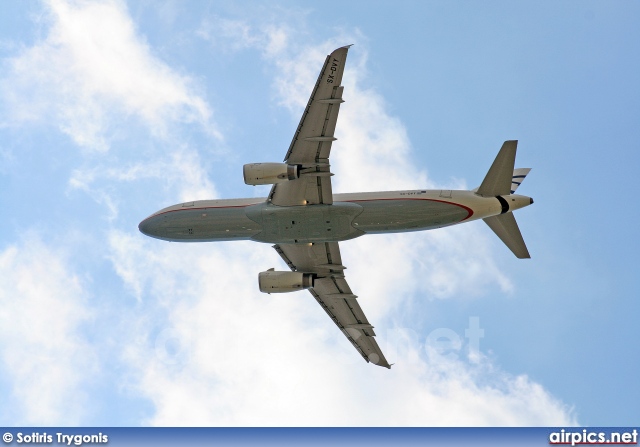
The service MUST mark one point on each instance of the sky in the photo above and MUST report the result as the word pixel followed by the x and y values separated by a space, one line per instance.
pixel 111 110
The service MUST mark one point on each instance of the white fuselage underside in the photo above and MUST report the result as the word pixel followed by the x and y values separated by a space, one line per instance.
pixel 351 215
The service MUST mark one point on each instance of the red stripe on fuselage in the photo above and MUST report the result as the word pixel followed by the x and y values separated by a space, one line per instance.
pixel 469 210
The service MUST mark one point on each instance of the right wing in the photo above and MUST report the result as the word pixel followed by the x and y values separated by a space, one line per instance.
pixel 312 140
pixel 332 292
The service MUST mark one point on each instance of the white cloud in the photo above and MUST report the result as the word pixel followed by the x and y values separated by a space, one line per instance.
pixel 45 358
pixel 95 78
pixel 93 70
pixel 180 171
pixel 271 38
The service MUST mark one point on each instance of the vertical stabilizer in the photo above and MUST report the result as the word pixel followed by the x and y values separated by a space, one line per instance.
pixel 506 228
pixel 497 182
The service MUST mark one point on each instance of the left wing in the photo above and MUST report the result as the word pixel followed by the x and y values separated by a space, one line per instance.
pixel 333 293
pixel 312 140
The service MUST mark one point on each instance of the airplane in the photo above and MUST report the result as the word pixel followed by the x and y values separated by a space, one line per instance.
pixel 306 221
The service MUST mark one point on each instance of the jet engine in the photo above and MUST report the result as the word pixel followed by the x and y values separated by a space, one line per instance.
pixel 283 282
pixel 269 173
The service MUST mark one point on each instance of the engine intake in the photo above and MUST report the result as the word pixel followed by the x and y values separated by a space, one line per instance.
pixel 269 173
pixel 283 282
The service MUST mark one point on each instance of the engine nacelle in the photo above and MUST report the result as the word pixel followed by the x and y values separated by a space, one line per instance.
pixel 283 282
pixel 269 173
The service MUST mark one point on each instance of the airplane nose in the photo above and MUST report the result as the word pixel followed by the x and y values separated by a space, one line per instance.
pixel 152 226
pixel 146 227
pixel 142 226
pixel 530 201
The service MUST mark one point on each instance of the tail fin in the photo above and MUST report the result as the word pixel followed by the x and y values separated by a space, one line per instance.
pixel 497 182
pixel 503 180
pixel 506 228
pixel 518 177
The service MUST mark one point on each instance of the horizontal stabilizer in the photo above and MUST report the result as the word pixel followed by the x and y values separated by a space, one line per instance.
pixel 506 228
pixel 497 182
pixel 518 177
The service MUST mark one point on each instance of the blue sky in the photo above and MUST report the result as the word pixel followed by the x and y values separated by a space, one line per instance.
pixel 112 110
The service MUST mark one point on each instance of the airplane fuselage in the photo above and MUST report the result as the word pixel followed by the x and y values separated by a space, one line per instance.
pixel 351 215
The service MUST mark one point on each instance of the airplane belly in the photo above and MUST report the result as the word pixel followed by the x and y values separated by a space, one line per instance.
pixel 398 215
pixel 205 224
pixel 306 223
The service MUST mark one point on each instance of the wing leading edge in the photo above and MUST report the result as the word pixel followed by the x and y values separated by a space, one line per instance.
pixel 333 294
